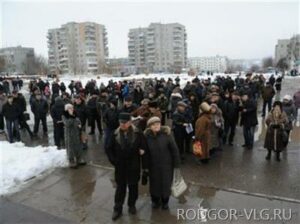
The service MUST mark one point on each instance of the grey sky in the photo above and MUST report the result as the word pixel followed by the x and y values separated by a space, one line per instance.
pixel 234 29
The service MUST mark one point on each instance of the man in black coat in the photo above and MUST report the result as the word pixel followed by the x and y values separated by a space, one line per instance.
pixel 56 112
pixel 39 108
pixel 81 110
pixel 20 101
pixel 231 116
pixel 93 113
pixel 11 112
pixel 125 151
pixel 248 120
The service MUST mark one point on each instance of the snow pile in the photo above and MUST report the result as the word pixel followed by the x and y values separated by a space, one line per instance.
pixel 19 163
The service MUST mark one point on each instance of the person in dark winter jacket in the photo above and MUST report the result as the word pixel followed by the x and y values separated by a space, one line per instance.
pixel 128 106
pixel 163 103
pixel 276 136
pixel 138 95
pixel 73 143
pixel 11 113
pixel 126 151
pixel 81 110
pixel 40 108
pixel 163 159
pixel 231 117
pixel 248 110
pixel 94 116
pixel 19 99
pixel 181 119
pixel 111 121
pixel 57 110
pixel 268 93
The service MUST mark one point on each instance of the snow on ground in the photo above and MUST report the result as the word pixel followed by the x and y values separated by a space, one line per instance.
pixel 20 163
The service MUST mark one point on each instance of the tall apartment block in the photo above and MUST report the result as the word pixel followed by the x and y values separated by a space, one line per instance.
pixel 77 48
pixel 158 48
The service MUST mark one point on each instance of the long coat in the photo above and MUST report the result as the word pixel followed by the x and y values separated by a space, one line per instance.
pixel 163 158
pixel 123 153
pixel 275 133
pixel 249 118
pixel 203 133
pixel 72 137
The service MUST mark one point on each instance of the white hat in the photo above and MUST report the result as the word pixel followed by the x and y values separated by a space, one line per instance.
pixel 68 106
pixel 287 97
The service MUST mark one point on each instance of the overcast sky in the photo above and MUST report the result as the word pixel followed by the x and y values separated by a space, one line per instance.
pixel 235 29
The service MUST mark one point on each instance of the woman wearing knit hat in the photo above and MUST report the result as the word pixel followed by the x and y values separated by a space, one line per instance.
pixel 203 130
pixel 162 150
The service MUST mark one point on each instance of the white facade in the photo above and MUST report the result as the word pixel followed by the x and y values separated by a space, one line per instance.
pixel 158 48
pixel 77 48
pixel 213 64
pixel 288 49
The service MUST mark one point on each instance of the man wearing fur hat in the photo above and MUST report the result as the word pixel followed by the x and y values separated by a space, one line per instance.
pixel 126 151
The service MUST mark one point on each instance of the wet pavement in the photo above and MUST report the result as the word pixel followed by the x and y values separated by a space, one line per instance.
pixel 235 178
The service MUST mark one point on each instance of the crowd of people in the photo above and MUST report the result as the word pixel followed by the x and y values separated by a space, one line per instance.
pixel 151 124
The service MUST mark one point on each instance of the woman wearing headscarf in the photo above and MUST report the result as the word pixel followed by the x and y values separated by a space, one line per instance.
pixel 217 126
pixel 276 134
pixel 73 142
pixel 163 159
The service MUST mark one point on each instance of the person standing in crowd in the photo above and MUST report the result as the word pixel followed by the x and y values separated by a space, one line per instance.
pixel 20 101
pixel 268 93
pixel 81 110
pixel 154 110
pixel 289 108
pixel 296 99
pixel 231 117
pixel 3 100
pixel 40 108
pixel 128 106
pixel 93 115
pixel 111 121
pixel 142 114
pixel 203 130
pixel 163 159
pixel 11 112
pixel 276 136
pixel 126 151
pixel 249 120
pixel 181 119
pixel 217 127
pixel 163 103
pixel 56 112
pixel 73 144
pixel 138 95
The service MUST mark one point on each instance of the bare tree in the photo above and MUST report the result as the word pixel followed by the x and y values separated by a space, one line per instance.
pixel 2 64
pixel 267 62
pixel 282 64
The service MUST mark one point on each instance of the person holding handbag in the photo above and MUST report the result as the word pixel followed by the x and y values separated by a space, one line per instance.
pixel 163 157
pixel 203 130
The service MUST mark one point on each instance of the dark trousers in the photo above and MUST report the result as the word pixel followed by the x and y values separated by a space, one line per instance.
pixel 249 135
pixel 158 200
pixel 121 194
pixel 58 134
pixel 1 122
pixel 265 104
pixel 37 120
pixel 229 127
pixel 182 140
pixel 93 120
pixel 13 129
pixel 23 124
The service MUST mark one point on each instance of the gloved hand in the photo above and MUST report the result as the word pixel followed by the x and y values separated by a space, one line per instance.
pixel 145 176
